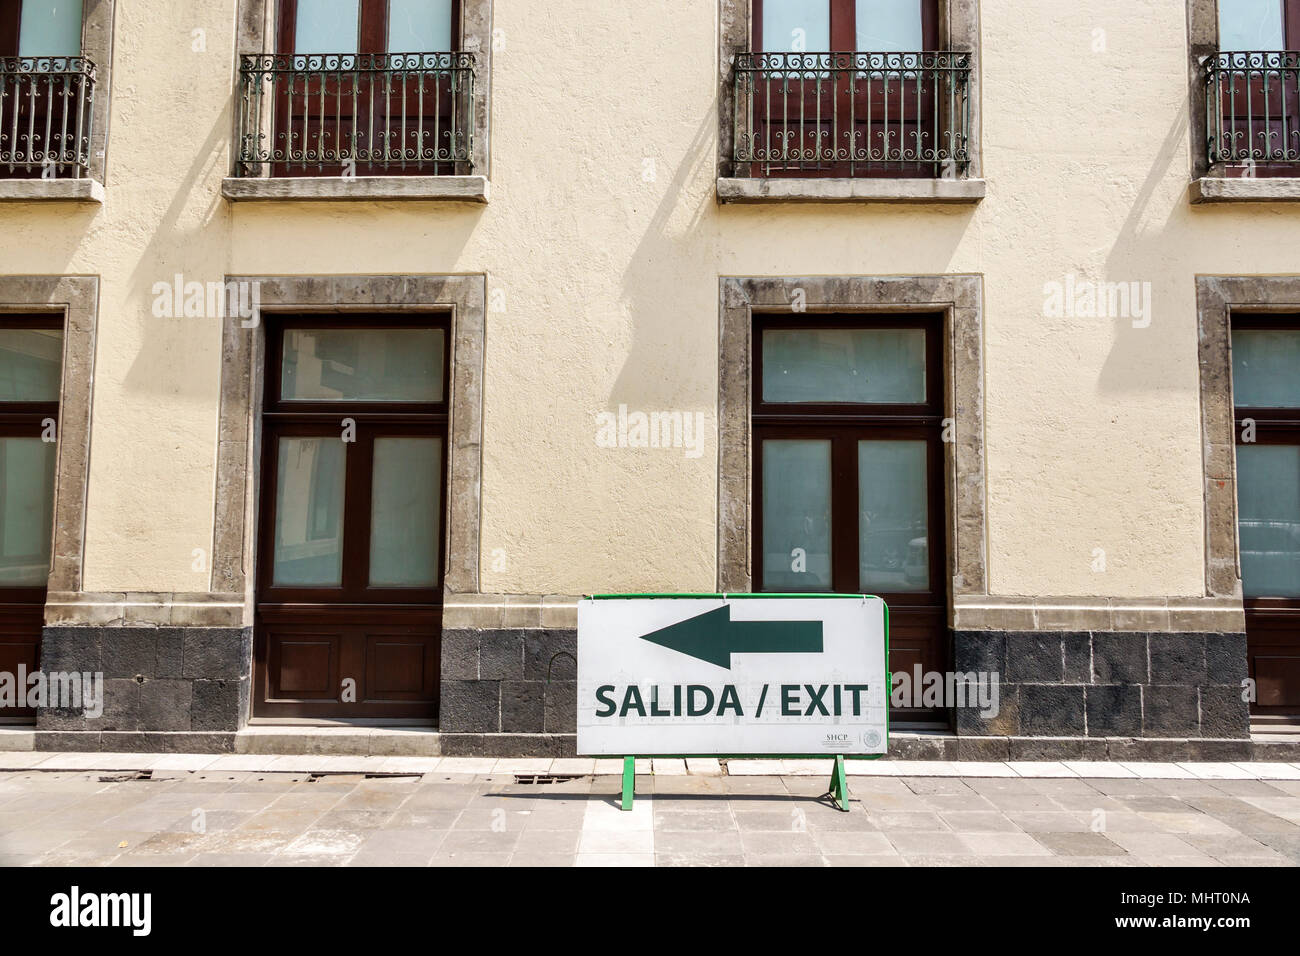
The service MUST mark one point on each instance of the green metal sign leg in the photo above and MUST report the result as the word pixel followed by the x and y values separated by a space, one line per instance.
pixel 629 781
pixel 839 785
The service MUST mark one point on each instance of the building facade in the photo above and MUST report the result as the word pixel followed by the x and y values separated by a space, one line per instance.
pixel 344 344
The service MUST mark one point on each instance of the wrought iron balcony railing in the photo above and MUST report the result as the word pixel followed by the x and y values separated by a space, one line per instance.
pixel 852 114
pixel 357 114
pixel 1253 111
pixel 46 106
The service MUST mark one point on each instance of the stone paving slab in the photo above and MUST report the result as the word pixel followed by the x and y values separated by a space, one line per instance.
pixel 645 766
pixel 480 812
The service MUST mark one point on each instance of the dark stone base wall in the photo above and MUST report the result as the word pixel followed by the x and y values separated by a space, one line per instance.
pixel 512 692
pixel 510 681
pixel 193 680
pixel 1107 684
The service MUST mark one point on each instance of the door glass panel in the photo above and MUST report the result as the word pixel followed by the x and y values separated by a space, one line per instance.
pixel 1266 368
pixel 797 515
pixel 419 26
pixel 404 519
pixel 50 28
pixel 1268 487
pixel 309 512
pixel 796 26
pixel 844 365
pixel 362 365
pixel 893 516
pixel 31 361
pixel 326 26
pixel 889 26
pixel 26 511
pixel 1251 25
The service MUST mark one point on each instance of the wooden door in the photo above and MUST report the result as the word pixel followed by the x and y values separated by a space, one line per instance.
pixel 1260 94
pixel 31 360
pixel 844 93
pixel 1266 387
pixel 360 95
pixel 39 108
pixel 351 552
pixel 848 467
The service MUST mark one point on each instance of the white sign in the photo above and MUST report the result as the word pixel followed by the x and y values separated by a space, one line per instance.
pixel 716 675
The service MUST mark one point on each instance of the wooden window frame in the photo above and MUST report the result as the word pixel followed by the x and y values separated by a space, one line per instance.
pixel 27 420
pixel 846 424
pixel 257 35
pixel 372 27
pixel 1270 621
pixel 1290 23
pixel 958 30
pixel 299 418
pixel 1272 426
pixel 844 38
pixel 97 48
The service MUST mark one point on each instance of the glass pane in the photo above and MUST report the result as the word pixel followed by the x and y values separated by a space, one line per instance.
pixel 893 516
pixel 797 515
pixel 50 28
pixel 31 363
pixel 1266 368
pixel 404 520
pixel 889 26
pixel 362 365
pixel 26 511
pixel 1251 25
pixel 1268 497
pixel 309 512
pixel 794 26
pixel 326 26
pixel 844 365
pixel 419 26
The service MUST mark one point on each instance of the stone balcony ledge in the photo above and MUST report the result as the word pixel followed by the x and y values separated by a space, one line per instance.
pixel 1214 189
pixel 833 190
pixel 467 189
pixel 52 190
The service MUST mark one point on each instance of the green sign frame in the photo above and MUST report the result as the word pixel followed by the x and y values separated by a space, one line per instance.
pixel 839 787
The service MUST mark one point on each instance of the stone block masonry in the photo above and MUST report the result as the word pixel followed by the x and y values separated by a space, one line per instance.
pixel 509 681
pixel 190 680
pixel 1108 684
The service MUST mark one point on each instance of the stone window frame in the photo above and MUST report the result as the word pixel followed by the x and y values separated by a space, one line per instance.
pixel 97 47
pixel 255 33
pixel 960 298
pixel 76 298
pixel 959 30
pixel 1206 185
pixel 1218 298
pixel 243 352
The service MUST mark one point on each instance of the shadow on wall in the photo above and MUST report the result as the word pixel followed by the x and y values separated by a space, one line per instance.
pixel 1137 360
pixel 1150 327
pixel 658 373
pixel 166 254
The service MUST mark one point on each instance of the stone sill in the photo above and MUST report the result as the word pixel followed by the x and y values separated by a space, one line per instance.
pixel 52 190
pixel 743 190
pixel 473 189
pixel 1212 189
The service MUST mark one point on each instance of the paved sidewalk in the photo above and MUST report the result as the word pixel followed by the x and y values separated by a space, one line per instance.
pixel 451 817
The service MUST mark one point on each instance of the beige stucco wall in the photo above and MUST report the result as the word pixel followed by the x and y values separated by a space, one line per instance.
pixel 603 245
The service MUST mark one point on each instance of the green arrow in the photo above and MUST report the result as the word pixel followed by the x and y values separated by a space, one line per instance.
pixel 714 637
